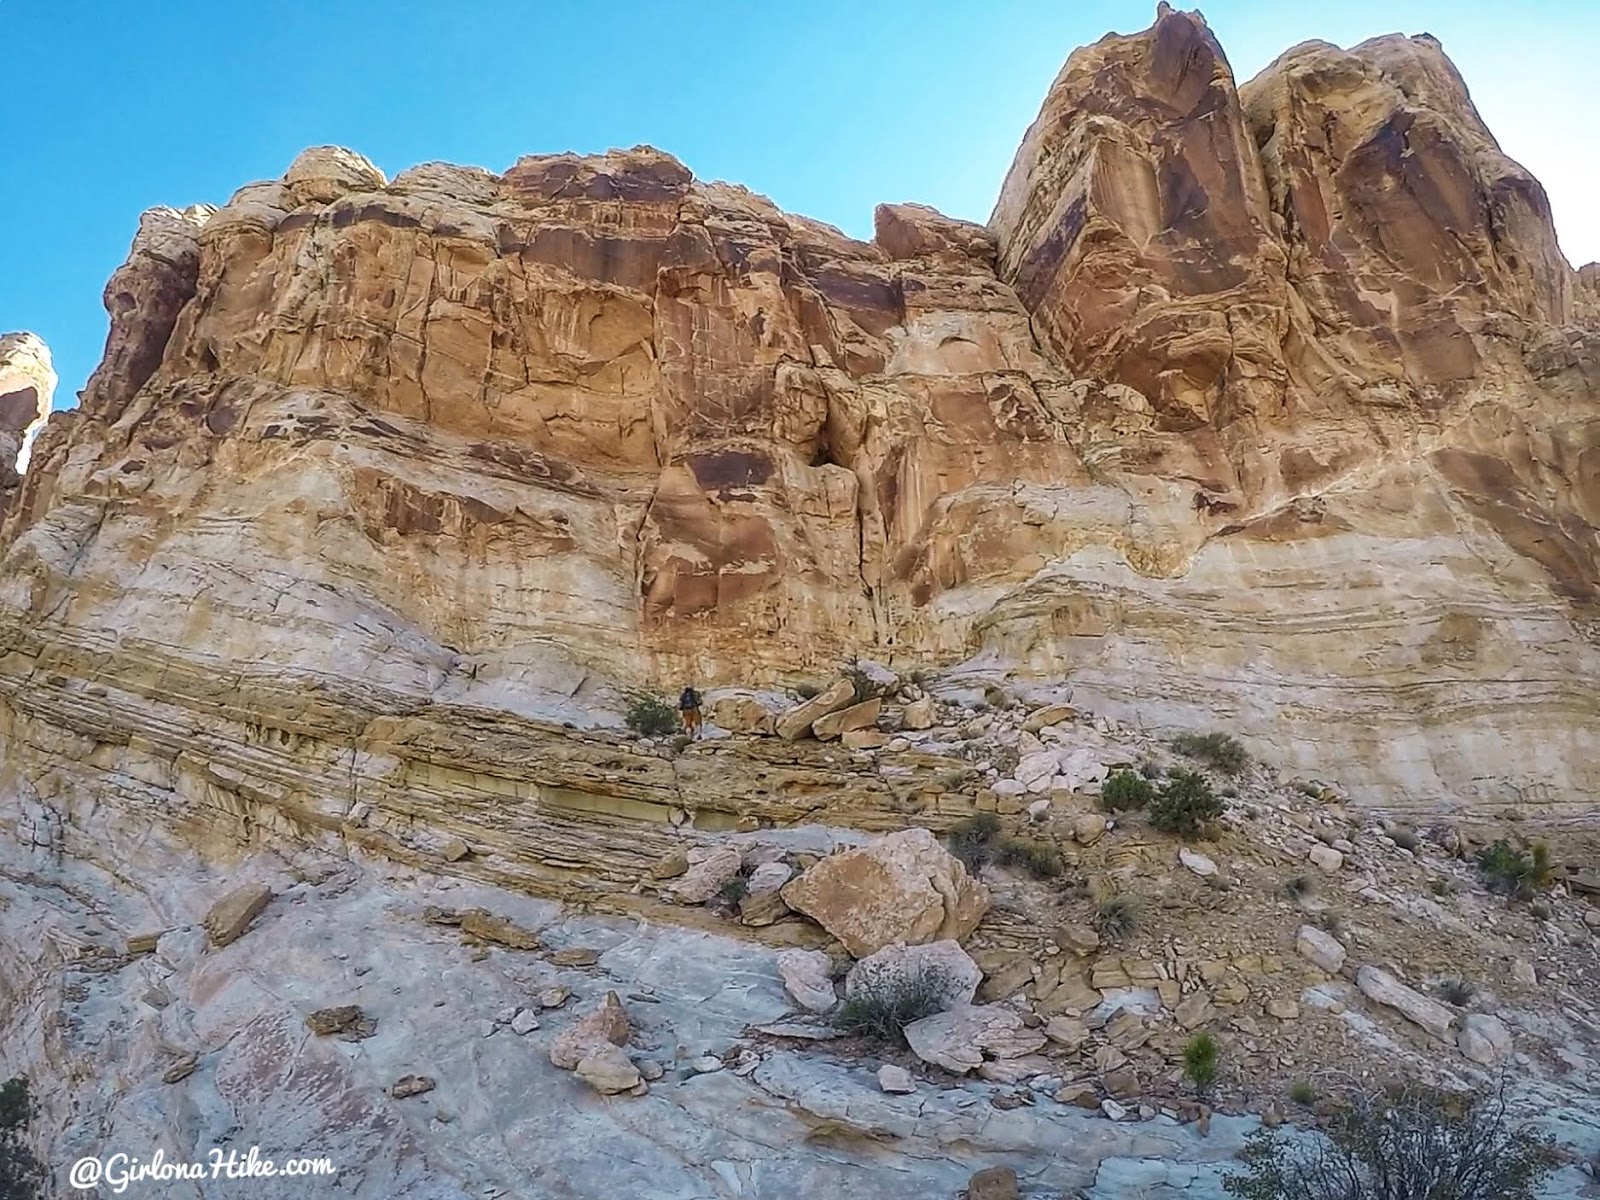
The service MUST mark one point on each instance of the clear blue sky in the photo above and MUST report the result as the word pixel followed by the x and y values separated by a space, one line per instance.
pixel 827 106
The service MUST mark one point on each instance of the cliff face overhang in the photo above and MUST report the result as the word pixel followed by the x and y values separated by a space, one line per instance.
pixel 1272 407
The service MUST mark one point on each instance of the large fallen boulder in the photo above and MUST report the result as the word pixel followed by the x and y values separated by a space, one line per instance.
pixel 1484 1039
pixel 797 721
pixel 1383 988
pixel 962 1038
pixel 902 887
pixel 231 916
pixel 806 976
pixel 942 973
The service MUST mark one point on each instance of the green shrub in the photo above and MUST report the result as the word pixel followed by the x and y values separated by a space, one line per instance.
pixel 1330 923
pixel 1185 804
pixel 1439 887
pixel 1221 750
pixel 1457 991
pixel 1039 859
pixel 997 697
pixel 1117 917
pixel 885 1004
pixel 1200 1061
pixel 1123 791
pixel 650 715
pixel 1405 837
pixel 865 687
pixel 1005 760
pixel 1513 872
pixel 972 840
pixel 1151 769
pixel 1299 886
pixel 1303 1093
pixel 22 1176
pixel 1407 1143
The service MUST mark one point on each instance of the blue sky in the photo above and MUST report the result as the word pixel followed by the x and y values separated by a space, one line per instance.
pixel 828 106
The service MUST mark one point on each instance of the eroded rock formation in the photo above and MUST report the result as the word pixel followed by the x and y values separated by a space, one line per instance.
pixel 1269 408
pixel 27 383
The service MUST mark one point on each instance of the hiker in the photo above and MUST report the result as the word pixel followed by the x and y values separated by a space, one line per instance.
pixel 689 709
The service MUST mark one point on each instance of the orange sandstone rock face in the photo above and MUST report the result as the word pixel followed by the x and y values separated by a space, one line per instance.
pixel 1270 407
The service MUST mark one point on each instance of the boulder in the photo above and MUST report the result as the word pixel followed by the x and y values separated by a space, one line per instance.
pixel 1326 858
pixel 993 1183
pixel 902 887
pixel 805 975
pixel 1035 771
pixel 709 872
pixel 847 720
pixel 1078 939
pixel 412 1085
pixel 742 714
pixel 942 970
pixel 1382 988
pixel 863 739
pixel 1089 828
pixel 919 714
pixel 797 721
pixel 1484 1039
pixel 962 1038
pixel 1323 949
pixel 486 927
pixel 333 1020
pixel 1198 863
pixel 1050 714
pixel 229 917
pixel 1066 1032
pixel 608 1070
pixel 896 1081
pixel 768 877
pixel 592 1032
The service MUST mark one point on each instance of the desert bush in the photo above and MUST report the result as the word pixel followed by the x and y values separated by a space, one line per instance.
pixel 1457 991
pixel 1221 750
pixel 1123 791
pixel 1005 760
pixel 22 1176
pixel 649 714
pixel 997 697
pixel 1514 872
pixel 865 687
pixel 735 890
pixel 1404 836
pixel 1303 1093
pixel 1299 886
pixel 1117 917
pixel 1184 804
pixel 1405 1143
pixel 972 840
pixel 1040 859
pixel 1151 769
pixel 1439 887
pixel 1200 1057
pixel 885 1004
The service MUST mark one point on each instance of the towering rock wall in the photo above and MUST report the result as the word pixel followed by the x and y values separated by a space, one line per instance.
pixel 1270 408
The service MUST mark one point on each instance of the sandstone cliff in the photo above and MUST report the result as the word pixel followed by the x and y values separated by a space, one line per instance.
pixel 1271 408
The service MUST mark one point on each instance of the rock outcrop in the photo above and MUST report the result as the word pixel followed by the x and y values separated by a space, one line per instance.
pixel 27 384
pixel 903 887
